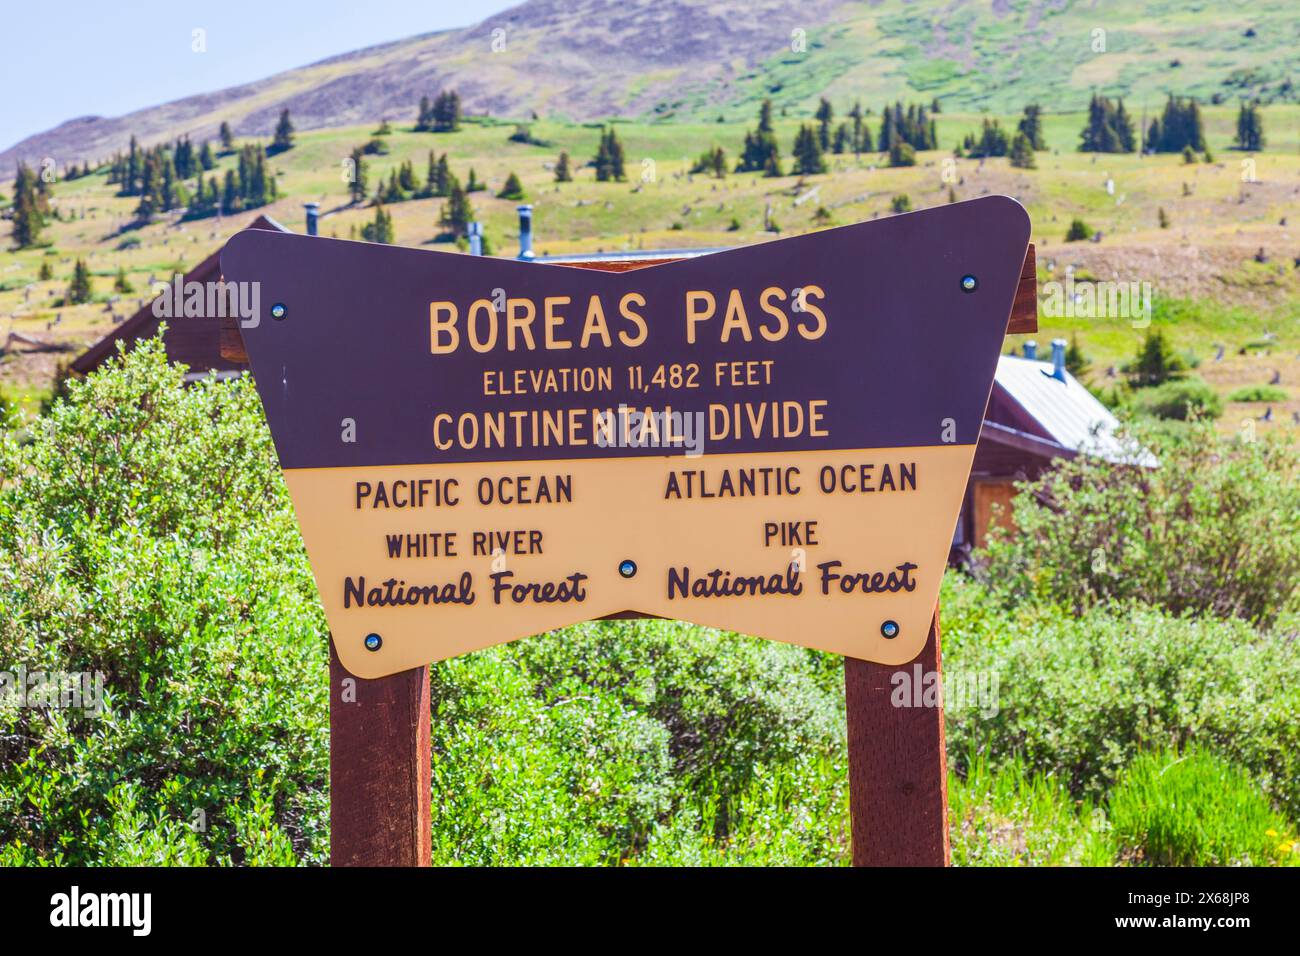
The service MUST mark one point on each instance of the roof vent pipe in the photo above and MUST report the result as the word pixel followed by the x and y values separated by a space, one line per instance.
pixel 525 231
pixel 1058 359
pixel 1031 349
pixel 313 217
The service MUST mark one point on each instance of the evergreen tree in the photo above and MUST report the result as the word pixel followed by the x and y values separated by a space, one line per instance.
pixel 121 283
pixel 424 119
pixel 231 200
pixel 1155 363
pixel 513 189
pixel 380 229
pixel 993 141
pixel 406 177
pixel 80 289
pixel 473 185
pixel 760 152
pixel 609 161
pixel 357 187
pixel 1109 128
pixel 1180 126
pixel 206 159
pixel 712 162
pixel 825 116
pixel 808 159
pixel 861 136
pixel 563 174
pixel 283 139
pixel 227 136
pixel 843 141
pixel 1076 363
pixel 45 273
pixel 28 217
pixel 446 113
pixel 1250 128
pixel 1078 231
pixel 457 213
pixel 1022 151
pixel 1031 124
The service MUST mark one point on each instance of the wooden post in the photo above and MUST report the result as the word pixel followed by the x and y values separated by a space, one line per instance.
pixel 898 772
pixel 379 768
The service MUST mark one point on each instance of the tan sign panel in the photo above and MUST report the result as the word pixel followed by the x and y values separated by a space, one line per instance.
pixel 773 440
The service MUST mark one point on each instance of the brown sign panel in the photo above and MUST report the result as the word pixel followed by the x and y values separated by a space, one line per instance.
pixel 773 439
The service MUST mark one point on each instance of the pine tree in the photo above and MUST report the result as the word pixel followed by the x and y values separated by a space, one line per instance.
pixel 513 189
pixel 206 159
pixel 825 116
pixel 45 273
pixel 760 152
pixel 808 159
pixel 456 211
pixel 861 136
pixel 380 229
pixel 1109 128
pixel 1022 152
pixel 28 219
pixel 227 136
pixel 902 154
pixel 1250 128
pixel 406 177
pixel 1156 362
pixel 231 200
pixel 1180 126
pixel 609 161
pixel 446 113
pixel 121 283
pixel 283 139
pixel 1076 363
pixel 424 119
pixel 563 173
pixel 843 139
pixel 473 185
pixel 1031 124
pixel 80 289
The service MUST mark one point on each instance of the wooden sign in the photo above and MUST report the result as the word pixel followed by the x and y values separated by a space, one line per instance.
pixel 774 439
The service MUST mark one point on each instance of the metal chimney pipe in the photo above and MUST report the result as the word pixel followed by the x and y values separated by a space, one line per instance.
pixel 313 217
pixel 1058 359
pixel 476 238
pixel 1031 349
pixel 525 231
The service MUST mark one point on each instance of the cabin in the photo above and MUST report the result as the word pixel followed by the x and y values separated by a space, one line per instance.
pixel 1037 413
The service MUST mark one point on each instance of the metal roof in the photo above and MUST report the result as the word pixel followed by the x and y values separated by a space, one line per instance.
pixel 1067 410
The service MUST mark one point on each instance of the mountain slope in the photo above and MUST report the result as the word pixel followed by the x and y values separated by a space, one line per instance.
pixel 590 59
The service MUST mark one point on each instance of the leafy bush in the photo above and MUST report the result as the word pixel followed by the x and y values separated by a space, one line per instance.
pixel 145 534
pixel 1078 231
pixel 1181 400
pixel 1213 529
pixel 589 744
pixel 1078 697
pixel 1195 809
pixel 1259 393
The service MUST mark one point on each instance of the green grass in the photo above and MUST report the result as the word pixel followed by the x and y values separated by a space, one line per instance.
pixel 1195 809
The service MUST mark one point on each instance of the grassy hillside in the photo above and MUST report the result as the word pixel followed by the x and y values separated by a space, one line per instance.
pixel 698 59
pixel 1217 223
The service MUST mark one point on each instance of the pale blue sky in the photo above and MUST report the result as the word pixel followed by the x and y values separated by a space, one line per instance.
pixel 75 58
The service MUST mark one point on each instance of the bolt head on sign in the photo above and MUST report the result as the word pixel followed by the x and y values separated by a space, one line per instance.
pixel 773 439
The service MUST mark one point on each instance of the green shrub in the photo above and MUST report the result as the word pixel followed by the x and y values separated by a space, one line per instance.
pixel 1078 231
pixel 1180 400
pixel 1079 696
pixel 1259 393
pixel 1212 530
pixel 145 534
pixel 590 744
pixel 1194 809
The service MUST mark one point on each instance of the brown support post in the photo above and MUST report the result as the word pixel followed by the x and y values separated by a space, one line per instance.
pixel 379 768
pixel 898 772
